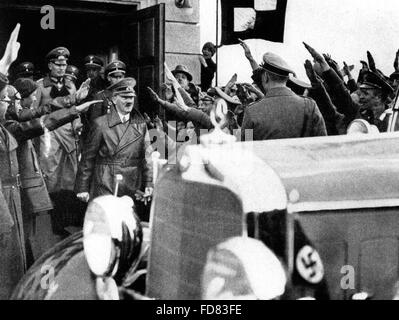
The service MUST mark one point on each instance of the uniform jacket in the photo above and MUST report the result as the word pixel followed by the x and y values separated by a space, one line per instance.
pixel 58 149
pixel 34 191
pixel 97 110
pixel 347 106
pixel 114 148
pixel 332 118
pixel 12 240
pixel 281 115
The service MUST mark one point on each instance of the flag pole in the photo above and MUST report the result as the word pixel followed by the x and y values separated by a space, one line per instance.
pixel 217 42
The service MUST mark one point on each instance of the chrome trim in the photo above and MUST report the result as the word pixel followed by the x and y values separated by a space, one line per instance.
pixel 341 205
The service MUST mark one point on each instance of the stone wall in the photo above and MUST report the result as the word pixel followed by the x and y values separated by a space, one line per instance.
pixel 182 35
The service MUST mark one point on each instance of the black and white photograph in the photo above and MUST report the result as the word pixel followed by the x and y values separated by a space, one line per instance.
pixel 212 151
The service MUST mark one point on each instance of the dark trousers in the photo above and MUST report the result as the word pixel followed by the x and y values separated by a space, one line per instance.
pixel 68 211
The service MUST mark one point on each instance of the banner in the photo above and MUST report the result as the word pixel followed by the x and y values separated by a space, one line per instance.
pixel 253 19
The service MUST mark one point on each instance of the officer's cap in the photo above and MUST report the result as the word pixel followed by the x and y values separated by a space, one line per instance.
pixel 275 64
pixel 372 80
pixel 114 67
pixel 72 71
pixel 25 68
pixel 93 62
pixel 124 87
pixel 299 83
pixel 60 54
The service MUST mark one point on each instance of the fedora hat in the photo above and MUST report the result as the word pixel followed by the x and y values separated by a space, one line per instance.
pixel 183 69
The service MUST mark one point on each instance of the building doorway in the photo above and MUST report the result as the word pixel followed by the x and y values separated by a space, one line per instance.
pixel 109 30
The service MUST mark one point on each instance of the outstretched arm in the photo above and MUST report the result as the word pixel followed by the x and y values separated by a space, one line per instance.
pixel 248 55
pixel 11 53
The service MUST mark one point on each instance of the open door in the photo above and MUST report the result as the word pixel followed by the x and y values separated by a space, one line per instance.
pixel 145 47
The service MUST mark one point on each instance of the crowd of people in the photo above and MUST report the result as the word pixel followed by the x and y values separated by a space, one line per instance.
pixel 62 146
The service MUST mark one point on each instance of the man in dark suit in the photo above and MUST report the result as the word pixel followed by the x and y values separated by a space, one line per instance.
pixel 118 143
pixel 281 114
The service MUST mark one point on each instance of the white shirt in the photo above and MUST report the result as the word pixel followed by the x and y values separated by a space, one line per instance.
pixel 124 118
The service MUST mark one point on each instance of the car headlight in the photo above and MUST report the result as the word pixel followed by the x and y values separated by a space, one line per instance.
pixel 112 237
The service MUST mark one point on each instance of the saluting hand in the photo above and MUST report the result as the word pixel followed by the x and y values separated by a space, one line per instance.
pixel 365 66
pixel 83 91
pixel 11 52
pixel 246 48
pixel 310 71
pixel 153 95
pixel 320 63
pixel 346 70
pixel 169 75
pixel 371 62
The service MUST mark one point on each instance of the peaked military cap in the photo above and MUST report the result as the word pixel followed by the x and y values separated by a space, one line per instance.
pixel 124 87
pixel 72 71
pixel 58 54
pixel 299 83
pixel 183 69
pixel 275 64
pixel 93 61
pixel 25 68
pixel 372 80
pixel 114 67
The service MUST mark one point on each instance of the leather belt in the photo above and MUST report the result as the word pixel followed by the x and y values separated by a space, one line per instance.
pixel 11 182
pixel 123 163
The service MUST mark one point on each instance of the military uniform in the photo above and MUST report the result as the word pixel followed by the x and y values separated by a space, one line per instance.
pixel 352 110
pixel 25 70
pixel 71 74
pixel 282 114
pixel 99 109
pixel 12 242
pixel 112 148
pixel 97 84
pixel 58 149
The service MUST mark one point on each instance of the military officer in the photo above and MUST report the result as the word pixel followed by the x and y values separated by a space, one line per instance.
pixel 58 149
pixel 281 114
pixel 118 143
pixel 93 66
pixel 374 93
pixel 114 72
pixel 12 241
pixel 71 74
pixel 25 70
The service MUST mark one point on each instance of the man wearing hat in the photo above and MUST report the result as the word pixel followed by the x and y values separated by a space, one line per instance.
pixel 118 144
pixel 25 70
pixel 281 114
pixel 374 91
pixel 93 66
pixel 35 198
pixel 184 77
pixel 71 74
pixel 114 72
pixel 58 149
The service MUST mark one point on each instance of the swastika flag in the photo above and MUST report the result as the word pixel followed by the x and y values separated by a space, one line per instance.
pixel 253 19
